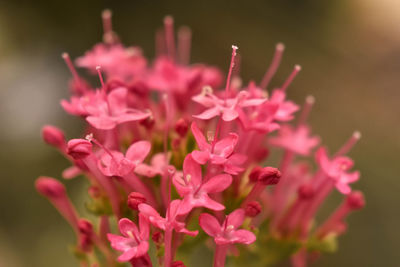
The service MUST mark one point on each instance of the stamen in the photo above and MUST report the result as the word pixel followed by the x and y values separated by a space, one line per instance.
pixel 228 80
pixel 106 16
pixel 273 67
pixel 349 144
pixel 160 43
pixel 308 104
pixel 291 77
pixel 169 36
pixel 103 88
pixel 210 136
pixel 93 140
pixel 207 90
pixel 230 227
pixel 184 44
pixel 70 66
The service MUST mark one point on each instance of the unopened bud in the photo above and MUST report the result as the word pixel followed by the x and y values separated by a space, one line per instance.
pixel 148 122
pixel 158 238
pixel 94 192
pixel 178 264
pixel 355 200
pixel 53 136
pixel 79 148
pixel 135 199
pixel 50 187
pixel 254 174
pixel 269 176
pixel 181 127
pixel 85 227
pixel 252 209
pixel 306 191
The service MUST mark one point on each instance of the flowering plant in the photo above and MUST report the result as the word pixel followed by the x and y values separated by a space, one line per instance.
pixel 177 163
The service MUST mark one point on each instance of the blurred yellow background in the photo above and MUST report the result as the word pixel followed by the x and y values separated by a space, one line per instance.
pixel 349 51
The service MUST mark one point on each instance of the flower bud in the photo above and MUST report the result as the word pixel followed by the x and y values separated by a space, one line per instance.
pixel 85 242
pixel 158 238
pixel 252 209
pixel 53 136
pixel 135 199
pixel 178 264
pixel 181 127
pixel 79 148
pixel 50 187
pixel 269 176
pixel 85 227
pixel 254 174
pixel 94 192
pixel 306 191
pixel 355 200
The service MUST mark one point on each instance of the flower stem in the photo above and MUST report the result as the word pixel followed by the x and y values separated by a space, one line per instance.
pixel 168 247
pixel 220 255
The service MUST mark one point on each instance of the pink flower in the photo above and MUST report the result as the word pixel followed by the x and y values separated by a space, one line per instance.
pixel 227 233
pixel 337 169
pixel 194 191
pixel 296 140
pixel 157 166
pixel 114 163
pixel 220 153
pixel 170 219
pixel 133 242
pixel 227 108
pixel 285 109
pixel 115 60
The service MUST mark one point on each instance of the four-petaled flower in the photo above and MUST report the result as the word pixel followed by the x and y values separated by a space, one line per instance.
pixel 337 169
pixel 133 242
pixel 297 140
pixel 170 220
pixel 220 153
pixel 114 163
pixel 195 191
pixel 158 165
pixel 228 108
pixel 227 233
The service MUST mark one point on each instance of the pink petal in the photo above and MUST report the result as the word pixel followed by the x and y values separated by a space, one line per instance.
pixel 208 203
pixel 71 172
pixel 200 157
pixel 138 151
pixel 217 183
pixel 253 102
pixel 208 114
pixel 118 242
pixel 209 224
pixel 146 170
pixel 180 185
pixel 229 114
pixel 128 255
pixel 343 188
pixel 192 168
pixel 142 248
pixel 144 227
pixel 102 123
pixel 200 139
pixel 244 236
pixel 236 218
pixel 152 215
pixel 125 226
pixel 132 115
pixel 117 100
pixel 225 146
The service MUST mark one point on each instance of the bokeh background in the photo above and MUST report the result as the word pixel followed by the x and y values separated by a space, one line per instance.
pixel 349 51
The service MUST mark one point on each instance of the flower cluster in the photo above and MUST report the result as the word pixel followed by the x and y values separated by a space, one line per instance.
pixel 172 159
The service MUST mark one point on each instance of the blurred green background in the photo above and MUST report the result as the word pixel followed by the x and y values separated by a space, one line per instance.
pixel 349 51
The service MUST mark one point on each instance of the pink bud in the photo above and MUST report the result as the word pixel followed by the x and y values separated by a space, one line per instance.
pixel 269 176
pixel 181 127
pixel 94 192
pixel 252 209
pixel 85 242
pixel 135 199
pixel 85 227
pixel 254 174
pixel 306 191
pixel 356 200
pixel 79 148
pixel 158 238
pixel 178 264
pixel 53 136
pixel 50 187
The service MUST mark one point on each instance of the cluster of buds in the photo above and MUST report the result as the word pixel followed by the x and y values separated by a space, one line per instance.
pixel 170 156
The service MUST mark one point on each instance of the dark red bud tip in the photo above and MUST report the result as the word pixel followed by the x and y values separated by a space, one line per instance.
pixel 53 136
pixel 135 199
pixel 306 191
pixel 79 148
pixel 178 264
pixel 269 176
pixel 356 200
pixel 85 227
pixel 182 127
pixel 85 243
pixel 158 238
pixel 252 209
pixel 50 187
pixel 254 174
